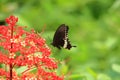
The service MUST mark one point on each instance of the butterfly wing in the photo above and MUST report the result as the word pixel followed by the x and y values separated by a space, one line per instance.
pixel 58 39
pixel 61 37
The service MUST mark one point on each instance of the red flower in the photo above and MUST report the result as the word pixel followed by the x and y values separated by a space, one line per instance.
pixel 19 48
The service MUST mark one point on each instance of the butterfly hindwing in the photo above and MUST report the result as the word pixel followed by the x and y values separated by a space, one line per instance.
pixel 60 38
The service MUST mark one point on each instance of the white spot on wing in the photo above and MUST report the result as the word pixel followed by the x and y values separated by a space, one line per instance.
pixel 65 40
pixel 65 44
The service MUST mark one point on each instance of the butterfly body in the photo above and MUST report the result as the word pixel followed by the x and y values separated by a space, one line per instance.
pixel 61 37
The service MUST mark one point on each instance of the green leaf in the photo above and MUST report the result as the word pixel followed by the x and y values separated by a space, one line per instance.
pixel 103 77
pixel 116 67
pixel 21 69
pixel 76 77
pixel 64 69
pixel 92 72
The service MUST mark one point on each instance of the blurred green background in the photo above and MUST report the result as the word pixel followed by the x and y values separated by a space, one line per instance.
pixel 94 29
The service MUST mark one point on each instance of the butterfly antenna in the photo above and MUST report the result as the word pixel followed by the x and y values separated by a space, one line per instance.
pixel 43 29
pixel 74 46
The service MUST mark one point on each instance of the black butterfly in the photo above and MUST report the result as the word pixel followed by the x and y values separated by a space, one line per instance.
pixel 61 38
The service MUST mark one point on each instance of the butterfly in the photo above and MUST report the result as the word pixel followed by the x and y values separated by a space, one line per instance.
pixel 60 38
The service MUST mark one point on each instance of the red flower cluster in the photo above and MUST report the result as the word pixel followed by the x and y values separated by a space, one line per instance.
pixel 19 48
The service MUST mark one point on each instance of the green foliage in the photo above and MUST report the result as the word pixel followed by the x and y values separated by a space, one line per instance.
pixel 94 29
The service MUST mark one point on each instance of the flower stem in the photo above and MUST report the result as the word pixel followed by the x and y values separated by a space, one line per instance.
pixel 10 71
pixel 11 52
